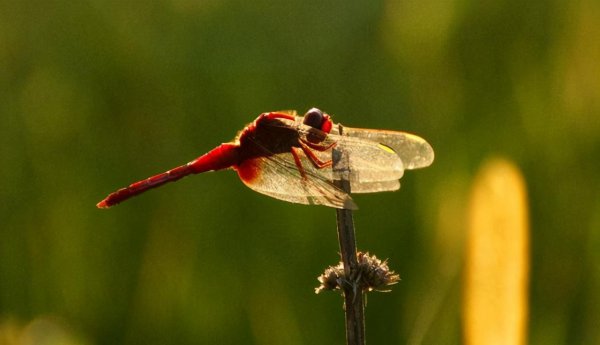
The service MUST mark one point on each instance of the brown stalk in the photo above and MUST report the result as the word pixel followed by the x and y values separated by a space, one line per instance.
pixel 352 291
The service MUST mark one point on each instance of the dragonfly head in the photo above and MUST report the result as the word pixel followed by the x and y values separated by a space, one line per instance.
pixel 315 118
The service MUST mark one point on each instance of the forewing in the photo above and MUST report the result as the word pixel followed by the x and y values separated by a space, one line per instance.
pixel 413 150
pixel 372 167
pixel 369 161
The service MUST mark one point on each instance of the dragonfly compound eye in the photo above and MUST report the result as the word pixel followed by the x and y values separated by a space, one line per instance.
pixel 314 118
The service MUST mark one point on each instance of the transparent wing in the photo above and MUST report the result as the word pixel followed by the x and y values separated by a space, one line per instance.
pixel 277 176
pixel 377 159
pixel 372 167
pixel 413 150
pixel 375 187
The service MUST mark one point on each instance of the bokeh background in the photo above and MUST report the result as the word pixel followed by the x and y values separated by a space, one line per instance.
pixel 97 94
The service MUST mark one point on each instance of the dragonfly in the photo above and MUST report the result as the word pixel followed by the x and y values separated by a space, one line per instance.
pixel 289 157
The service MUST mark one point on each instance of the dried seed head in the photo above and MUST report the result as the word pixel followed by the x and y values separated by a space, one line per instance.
pixel 370 274
pixel 374 273
pixel 331 279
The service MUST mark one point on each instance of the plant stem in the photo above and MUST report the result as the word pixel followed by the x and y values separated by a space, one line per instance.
pixel 353 294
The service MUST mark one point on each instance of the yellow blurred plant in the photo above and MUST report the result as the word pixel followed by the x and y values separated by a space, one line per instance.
pixel 495 303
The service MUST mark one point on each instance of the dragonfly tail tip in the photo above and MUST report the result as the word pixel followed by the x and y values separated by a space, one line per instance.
pixel 102 204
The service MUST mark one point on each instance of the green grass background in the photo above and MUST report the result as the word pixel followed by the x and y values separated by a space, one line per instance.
pixel 97 94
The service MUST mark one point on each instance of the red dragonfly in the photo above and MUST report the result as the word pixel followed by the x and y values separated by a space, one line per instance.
pixel 288 157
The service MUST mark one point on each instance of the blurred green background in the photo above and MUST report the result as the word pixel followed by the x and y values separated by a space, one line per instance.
pixel 98 94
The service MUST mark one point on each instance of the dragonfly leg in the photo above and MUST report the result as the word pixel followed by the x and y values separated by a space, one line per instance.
pixel 320 148
pixel 305 181
pixel 298 163
pixel 319 164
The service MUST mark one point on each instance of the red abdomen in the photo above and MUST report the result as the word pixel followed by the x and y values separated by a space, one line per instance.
pixel 221 157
